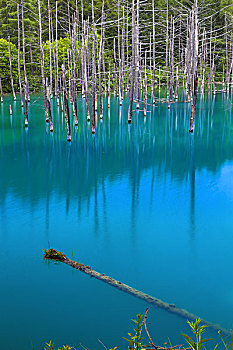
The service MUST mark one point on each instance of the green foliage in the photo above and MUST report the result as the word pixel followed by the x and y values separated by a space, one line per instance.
pixel 53 254
pixel 135 340
pixel 198 330
pixel 5 66
pixel 9 19
pixel 50 346
pixel 228 345
pixel 62 43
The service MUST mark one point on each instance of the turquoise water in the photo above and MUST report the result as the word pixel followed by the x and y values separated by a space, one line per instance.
pixel 148 204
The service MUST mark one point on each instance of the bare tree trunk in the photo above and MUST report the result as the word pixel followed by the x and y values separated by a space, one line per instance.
pixel 194 37
pixel 177 82
pixel 123 54
pixel 127 49
pixel 31 58
pixel 109 91
pixel 167 39
pixel 130 111
pixel 115 68
pixel 57 59
pixel 137 57
pixel 50 52
pixel 68 9
pixel 74 47
pixel 93 79
pixel 159 79
pixel 99 63
pixel 153 39
pixel 67 112
pixel 144 87
pixel 42 64
pixel 223 79
pixel 1 89
pixel 11 75
pixel 24 59
pixel 86 76
pixel 19 66
pixel 25 107
pixel 54 59
pixel 49 105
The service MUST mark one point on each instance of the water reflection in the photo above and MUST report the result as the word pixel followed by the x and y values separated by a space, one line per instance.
pixel 141 201
pixel 38 163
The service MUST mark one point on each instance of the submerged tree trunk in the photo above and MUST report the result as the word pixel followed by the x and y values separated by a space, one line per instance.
pixel 25 107
pixel 109 91
pixel 49 105
pixel 1 89
pixel 67 112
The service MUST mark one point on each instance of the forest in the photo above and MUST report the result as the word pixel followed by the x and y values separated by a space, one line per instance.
pixel 161 37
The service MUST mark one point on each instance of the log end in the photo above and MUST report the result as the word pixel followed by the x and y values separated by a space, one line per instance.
pixel 53 254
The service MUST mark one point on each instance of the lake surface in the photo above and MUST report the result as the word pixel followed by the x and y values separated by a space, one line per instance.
pixel 148 204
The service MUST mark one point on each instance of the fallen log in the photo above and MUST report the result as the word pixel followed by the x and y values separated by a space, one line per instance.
pixel 52 254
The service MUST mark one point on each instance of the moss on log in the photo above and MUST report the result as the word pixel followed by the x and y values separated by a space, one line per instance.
pixel 53 254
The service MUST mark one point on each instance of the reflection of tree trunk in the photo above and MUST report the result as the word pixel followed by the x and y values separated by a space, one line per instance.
pixel 96 207
pixel 68 181
pixel 48 174
pixel 192 188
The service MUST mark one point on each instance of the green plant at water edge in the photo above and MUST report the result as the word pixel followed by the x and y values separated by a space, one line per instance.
pixel 135 341
pixel 53 254
pixel 198 330
pixel 49 346
pixel 227 345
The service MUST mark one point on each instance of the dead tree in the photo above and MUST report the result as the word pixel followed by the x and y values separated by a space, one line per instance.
pixel 194 38
pixel 42 64
pixel 11 74
pixel 153 40
pixel 24 58
pixel 25 107
pixel 93 78
pixel 66 103
pixel 130 110
pixel 19 65
pixel 1 91
pixel 49 108
pixel 86 75
pixel 137 63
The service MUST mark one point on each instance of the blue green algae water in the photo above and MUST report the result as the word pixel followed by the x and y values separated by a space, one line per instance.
pixel 148 204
